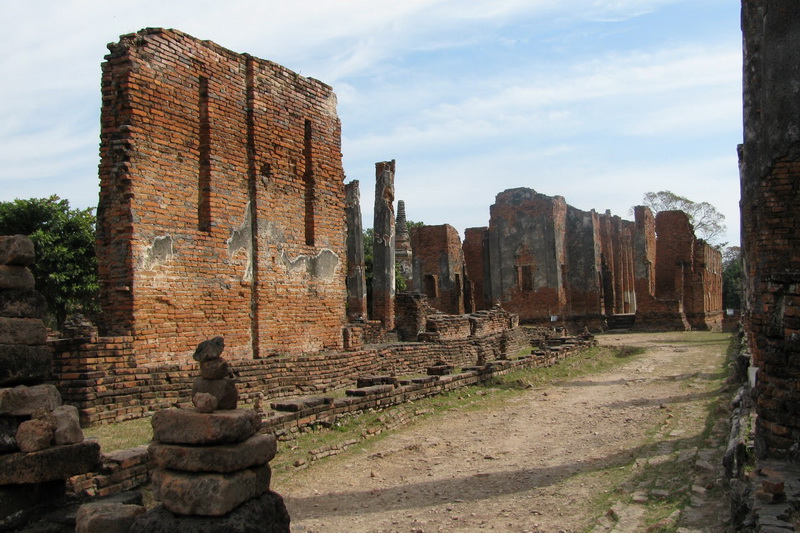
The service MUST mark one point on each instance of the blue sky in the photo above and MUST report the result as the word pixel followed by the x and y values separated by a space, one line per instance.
pixel 598 101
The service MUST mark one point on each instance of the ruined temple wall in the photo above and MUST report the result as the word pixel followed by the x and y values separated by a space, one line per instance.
pixel 583 268
pixel 475 260
pixel 439 264
pixel 213 167
pixel 703 298
pixel 617 264
pixel 770 183
pixel 527 252
pixel 674 253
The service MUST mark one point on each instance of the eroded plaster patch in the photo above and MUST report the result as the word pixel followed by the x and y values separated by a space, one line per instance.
pixel 160 252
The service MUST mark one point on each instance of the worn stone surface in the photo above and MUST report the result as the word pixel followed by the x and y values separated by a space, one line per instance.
pixel 8 434
pixel 106 517
pixel 34 435
pixel 224 390
pixel 216 368
pixel 68 426
pixel 16 277
pixel 24 364
pixel 56 462
pixel 209 349
pixel 22 304
pixel 264 514
pixel 185 426
pixel 22 331
pixel 16 250
pixel 23 400
pixel 224 458
pixel 208 494
pixel 204 402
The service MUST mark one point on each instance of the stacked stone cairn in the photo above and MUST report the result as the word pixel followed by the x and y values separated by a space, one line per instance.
pixel 41 441
pixel 212 467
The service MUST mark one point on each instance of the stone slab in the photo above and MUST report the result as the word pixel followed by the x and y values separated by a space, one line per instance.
pixel 24 364
pixel 16 250
pixel 34 435
pixel 223 458
pixel 30 331
pixel 22 304
pixel 207 494
pixel 224 390
pixel 16 277
pixel 23 401
pixel 57 462
pixel 101 517
pixel 185 426
pixel 264 514
pixel 68 426
pixel 210 349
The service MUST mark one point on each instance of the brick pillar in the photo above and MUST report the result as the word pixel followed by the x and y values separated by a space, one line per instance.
pixel 770 174
pixel 402 242
pixel 356 279
pixel 383 261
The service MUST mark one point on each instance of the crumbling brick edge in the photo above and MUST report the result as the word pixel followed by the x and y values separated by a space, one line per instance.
pixel 130 469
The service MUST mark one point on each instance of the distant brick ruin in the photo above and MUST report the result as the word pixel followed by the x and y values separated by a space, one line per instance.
pixel 548 261
pixel 770 174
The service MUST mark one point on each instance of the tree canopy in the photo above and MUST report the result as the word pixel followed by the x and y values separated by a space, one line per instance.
pixel 66 266
pixel 709 224
pixel 732 292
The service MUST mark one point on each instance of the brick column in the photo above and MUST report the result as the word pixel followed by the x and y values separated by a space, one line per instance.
pixel 383 247
pixel 356 280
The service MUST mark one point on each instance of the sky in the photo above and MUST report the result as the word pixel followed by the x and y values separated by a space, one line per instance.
pixel 598 101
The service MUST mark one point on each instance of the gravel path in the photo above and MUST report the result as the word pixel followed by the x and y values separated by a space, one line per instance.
pixel 611 452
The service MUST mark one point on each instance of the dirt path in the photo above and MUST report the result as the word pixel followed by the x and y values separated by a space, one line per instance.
pixel 615 451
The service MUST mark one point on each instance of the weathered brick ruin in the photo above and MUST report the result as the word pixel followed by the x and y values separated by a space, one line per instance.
pixel 548 261
pixel 221 201
pixel 770 177
pixel 439 268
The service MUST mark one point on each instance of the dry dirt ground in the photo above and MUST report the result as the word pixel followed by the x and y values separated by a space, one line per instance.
pixel 636 448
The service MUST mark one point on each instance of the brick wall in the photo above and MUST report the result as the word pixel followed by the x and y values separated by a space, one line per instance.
pixel 474 261
pixel 108 382
pixel 221 199
pixel 439 267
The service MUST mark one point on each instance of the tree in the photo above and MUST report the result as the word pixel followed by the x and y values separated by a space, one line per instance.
pixel 66 266
pixel 707 221
pixel 732 278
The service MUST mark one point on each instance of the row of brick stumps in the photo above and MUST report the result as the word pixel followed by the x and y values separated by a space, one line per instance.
pixel 41 441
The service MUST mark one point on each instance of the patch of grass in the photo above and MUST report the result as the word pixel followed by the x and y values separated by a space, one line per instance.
pixel 122 435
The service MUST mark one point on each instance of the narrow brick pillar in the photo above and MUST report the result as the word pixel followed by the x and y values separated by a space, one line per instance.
pixel 356 279
pixel 402 242
pixel 383 247
pixel 770 174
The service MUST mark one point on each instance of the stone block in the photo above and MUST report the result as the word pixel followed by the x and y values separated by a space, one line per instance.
pixel 16 277
pixel 224 390
pixel 16 250
pixel 208 494
pixel 264 514
pixel 68 426
pixel 57 462
pixel 22 304
pixel 185 426
pixel 106 517
pixel 23 401
pixel 224 458
pixel 34 435
pixel 204 402
pixel 30 331
pixel 210 349
pixel 24 364
pixel 215 368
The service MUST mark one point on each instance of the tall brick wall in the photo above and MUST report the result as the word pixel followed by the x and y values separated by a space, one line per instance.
pixel 770 182
pixel 221 201
pixel 583 270
pixel 439 267
pixel 475 262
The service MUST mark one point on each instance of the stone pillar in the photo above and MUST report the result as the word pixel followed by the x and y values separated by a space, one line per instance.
pixel 770 173
pixel 356 279
pixel 402 243
pixel 383 248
